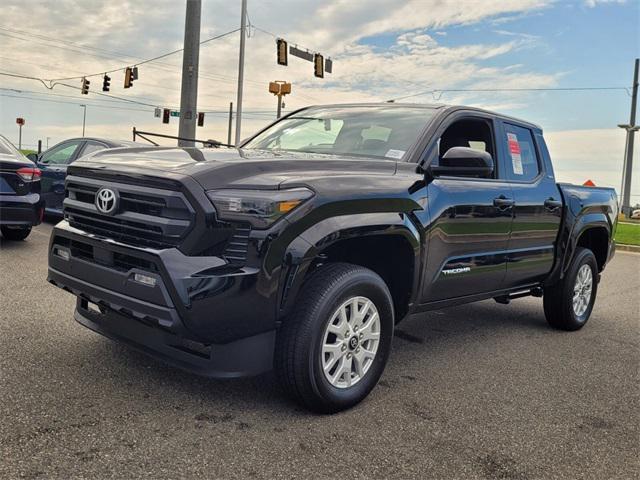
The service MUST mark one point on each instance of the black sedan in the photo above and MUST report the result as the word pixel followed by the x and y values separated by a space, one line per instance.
pixel 54 162
pixel 21 205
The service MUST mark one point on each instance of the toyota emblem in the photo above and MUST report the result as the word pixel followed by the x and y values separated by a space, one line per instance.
pixel 106 201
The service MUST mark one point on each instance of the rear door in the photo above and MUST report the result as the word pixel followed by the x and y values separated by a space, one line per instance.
pixel 54 163
pixel 537 208
pixel 470 218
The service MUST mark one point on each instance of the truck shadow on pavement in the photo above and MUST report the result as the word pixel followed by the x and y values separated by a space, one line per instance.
pixel 415 339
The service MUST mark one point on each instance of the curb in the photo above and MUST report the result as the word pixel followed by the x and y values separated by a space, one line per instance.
pixel 627 248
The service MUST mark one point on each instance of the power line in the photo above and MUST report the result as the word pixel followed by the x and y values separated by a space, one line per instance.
pixel 148 60
pixel 55 81
pixel 81 48
pixel 540 89
pixel 222 113
pixel 96 105
pixel 116 55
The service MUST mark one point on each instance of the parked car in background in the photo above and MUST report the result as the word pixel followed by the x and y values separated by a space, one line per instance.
pixel 54 162
pixel 21 206
pixel 636 214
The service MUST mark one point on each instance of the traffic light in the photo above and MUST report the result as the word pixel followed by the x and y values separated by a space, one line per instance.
pixel 166 114
pixel 318 65
pixel 201 119
pixel 282 52
pixel 106 83
pixel 128 77
pixel 134 73
pixel 85 86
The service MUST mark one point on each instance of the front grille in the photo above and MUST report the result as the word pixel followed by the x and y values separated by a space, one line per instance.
pixel 151 217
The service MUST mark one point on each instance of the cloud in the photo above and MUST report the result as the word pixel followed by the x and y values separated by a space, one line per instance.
pixel 594 3
pixel 595 154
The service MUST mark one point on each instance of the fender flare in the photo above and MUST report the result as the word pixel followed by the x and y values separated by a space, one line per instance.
pixel 582 224
pixel 309 244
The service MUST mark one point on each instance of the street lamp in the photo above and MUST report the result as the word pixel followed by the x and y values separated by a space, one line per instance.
pixel 84 117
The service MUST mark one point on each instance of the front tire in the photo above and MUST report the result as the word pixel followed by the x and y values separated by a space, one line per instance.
pixel 15 233
pixel 333 348
pixel 568 304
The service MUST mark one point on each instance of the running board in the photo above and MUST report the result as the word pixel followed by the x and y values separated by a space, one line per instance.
pixel 506 299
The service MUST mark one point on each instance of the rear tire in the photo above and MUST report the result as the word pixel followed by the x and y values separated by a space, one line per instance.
pixel 332 349
pixel 15 233
pixel 568 303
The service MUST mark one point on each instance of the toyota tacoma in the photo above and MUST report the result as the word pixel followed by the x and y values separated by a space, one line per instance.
pixel 304 247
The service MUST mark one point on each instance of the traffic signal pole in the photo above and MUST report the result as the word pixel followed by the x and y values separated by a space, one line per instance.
pixel 243 31
pixel 190 59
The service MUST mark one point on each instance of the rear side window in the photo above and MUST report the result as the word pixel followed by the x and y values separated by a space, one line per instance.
pixel 522 161
pixel 91 147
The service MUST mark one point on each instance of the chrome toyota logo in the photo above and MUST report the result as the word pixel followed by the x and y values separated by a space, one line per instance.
pixel 106 201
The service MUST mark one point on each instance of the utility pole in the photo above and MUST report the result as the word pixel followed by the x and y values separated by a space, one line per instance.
pixel 190 59
pixel 230 123
pixel 243 31
pixel 84 118
pixel 631 129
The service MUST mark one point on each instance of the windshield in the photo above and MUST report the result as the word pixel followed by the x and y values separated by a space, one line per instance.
pixel 376 131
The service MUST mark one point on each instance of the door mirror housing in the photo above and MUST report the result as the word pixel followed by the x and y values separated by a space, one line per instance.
pixel 33 157
pixel 464 162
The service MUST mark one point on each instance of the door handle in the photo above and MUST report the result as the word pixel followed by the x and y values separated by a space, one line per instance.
pixel 503 202
pixel 552 204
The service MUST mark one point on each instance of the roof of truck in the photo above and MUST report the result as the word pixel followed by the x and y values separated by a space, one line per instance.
pixel 445 108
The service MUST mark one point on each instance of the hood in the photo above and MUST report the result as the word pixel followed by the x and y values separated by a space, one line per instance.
pixel 233 167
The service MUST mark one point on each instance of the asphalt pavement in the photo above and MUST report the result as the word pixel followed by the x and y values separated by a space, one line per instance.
pixel 476 391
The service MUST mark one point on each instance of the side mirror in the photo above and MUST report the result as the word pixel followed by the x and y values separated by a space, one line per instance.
pixel 33 157
pixel 464 162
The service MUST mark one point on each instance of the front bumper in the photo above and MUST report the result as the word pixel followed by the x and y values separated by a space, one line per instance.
pixel 241 358
pixel 201 314
pixel 21 210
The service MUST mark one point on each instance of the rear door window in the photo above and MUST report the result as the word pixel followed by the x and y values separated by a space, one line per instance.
pixel 521 158
pixel 91 147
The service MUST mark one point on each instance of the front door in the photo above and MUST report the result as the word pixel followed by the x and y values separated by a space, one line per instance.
pixel 471 220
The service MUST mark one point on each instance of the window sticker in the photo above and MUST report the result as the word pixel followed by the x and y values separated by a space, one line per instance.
pixel 394 153
pixel 514 150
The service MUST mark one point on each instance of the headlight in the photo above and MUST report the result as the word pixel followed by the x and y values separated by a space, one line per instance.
pixel 259 207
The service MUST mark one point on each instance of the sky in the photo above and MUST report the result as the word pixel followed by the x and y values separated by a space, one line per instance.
pixel 381 49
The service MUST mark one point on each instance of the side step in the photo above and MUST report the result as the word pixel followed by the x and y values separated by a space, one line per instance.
pixel 506 299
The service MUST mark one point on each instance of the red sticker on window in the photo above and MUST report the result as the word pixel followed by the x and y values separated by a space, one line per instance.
pixel 514 146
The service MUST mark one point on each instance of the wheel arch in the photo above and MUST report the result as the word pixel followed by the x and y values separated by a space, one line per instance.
pixel 591 231
pixel 387 243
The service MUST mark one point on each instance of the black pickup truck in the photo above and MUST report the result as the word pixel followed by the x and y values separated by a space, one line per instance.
pixel 302 249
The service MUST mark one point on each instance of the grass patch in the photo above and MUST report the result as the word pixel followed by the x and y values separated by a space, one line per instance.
pixel 628 234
